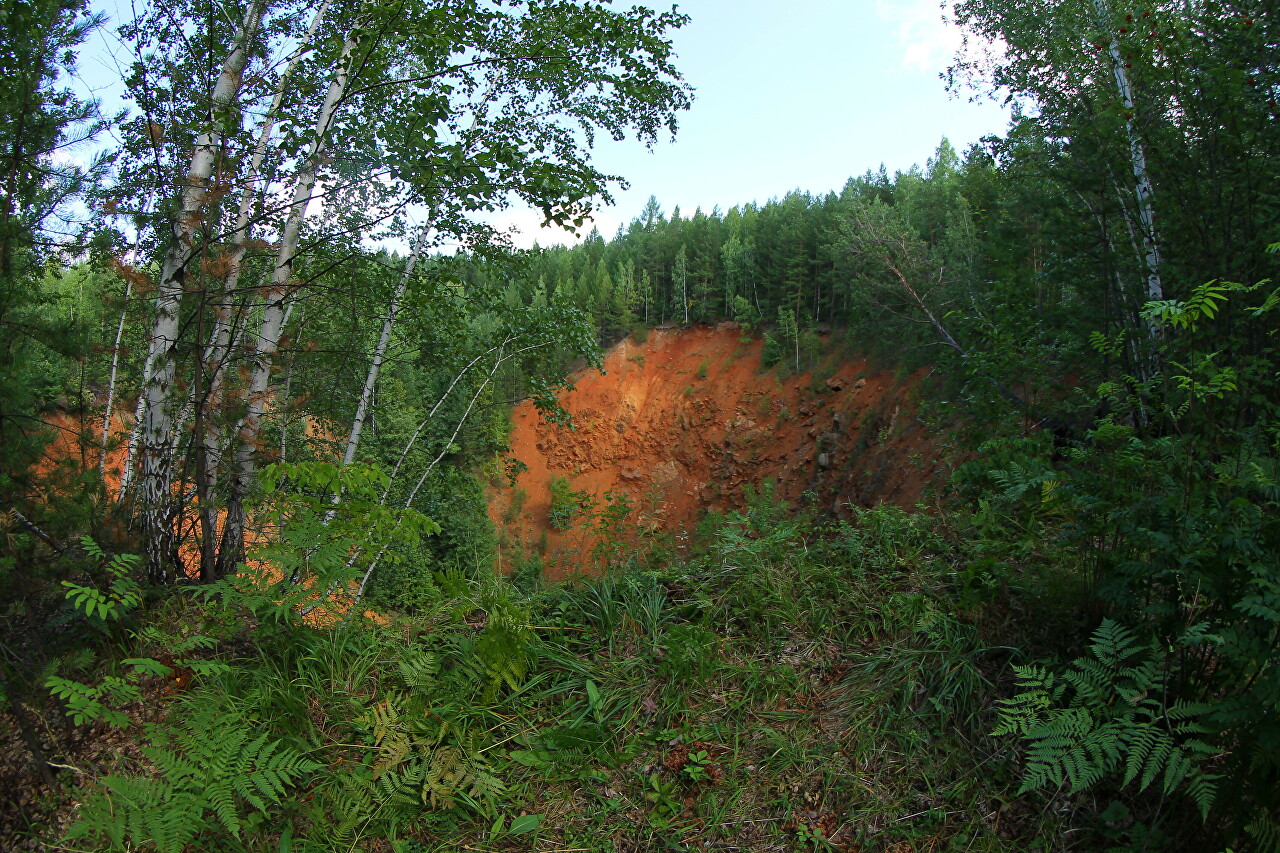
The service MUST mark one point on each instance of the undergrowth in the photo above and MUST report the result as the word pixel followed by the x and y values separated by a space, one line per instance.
pixel 781 691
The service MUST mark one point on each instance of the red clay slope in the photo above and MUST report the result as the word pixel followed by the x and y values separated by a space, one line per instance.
pixel 682 422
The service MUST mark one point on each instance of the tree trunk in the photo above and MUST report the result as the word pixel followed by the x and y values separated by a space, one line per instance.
pixel 111 383
pixel 277 300
pixel 1143 189
pixel 217 350
pixel 373 564
pixel 380 352
pixel 157 417
pixel 419 246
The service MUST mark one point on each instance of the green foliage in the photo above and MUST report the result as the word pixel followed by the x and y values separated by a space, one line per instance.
pixel 515 505
pixel 322 543
pixel 86 703
pixel 89 703
pixel 212 774
pixel 772 352
pixel 565 504
pixel 1149 521
pixel 124 593
pixel 1203 304
pixel 1108 712
pixel 430 760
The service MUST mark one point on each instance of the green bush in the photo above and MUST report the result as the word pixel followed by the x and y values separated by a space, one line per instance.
pixel 564 504
pixel 772 352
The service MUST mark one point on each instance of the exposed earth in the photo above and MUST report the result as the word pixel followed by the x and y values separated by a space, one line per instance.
pixel 682 423
pixel 678 426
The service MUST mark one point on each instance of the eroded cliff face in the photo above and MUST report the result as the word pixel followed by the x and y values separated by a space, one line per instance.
pixel 683 422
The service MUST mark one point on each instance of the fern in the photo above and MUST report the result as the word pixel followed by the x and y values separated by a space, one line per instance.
pixel 204 777
pixel 1113 717
pixel 1017 480
pixel 439 759
pixel 418 669
pixel 459 771
pixel 1264 830
pixel 503 646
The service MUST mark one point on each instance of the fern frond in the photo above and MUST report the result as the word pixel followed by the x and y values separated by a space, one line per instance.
pixel 445 771
pixel 1114 715
pixel 396 748
pixel 208 768
pixel 1265 832
pixel 1142 743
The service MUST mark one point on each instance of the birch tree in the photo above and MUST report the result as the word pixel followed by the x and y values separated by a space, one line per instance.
pixel 1075 62
pixel 157 413
pixel 458 107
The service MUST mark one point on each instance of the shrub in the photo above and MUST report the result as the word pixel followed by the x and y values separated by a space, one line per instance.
pixel 564 504
pixel 772 352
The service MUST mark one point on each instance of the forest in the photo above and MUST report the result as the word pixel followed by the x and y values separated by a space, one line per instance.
pixel 261 345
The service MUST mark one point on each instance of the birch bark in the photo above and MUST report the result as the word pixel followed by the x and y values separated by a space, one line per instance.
pixel 156 407
pixel 111 383
pixel 420 246
pixel 278 297
pixel 217 350
pixel 1143 190
pixel 380 352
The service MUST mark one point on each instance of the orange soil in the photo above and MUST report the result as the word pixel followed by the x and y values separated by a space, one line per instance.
pixel 79 444
pixel 76 447
pixel 678 445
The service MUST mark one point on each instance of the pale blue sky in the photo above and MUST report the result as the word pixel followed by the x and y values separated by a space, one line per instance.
pixel 790 94
pixel 798 94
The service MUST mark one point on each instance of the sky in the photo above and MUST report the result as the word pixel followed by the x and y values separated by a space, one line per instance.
pixel 795 94
pixel 789 94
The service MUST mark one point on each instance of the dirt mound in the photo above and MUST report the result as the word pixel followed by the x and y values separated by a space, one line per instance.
pixel 680 424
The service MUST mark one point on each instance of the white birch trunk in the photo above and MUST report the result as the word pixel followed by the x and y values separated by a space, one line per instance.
pixel 379 354
pixel 111 383
pixel 1143 190
pixel 135 432
pixel 373 564
pixel 408 502
pixel 277 302
pixel 380 351
pixel 157 418
pixel 217 351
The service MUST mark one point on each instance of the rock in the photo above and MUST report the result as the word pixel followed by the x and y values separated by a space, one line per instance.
pixel 824 460
pixel 861 383
pixel 835 383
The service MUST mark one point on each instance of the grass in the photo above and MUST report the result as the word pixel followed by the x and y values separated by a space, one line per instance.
pixel 777 692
